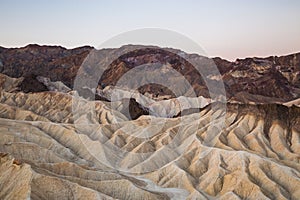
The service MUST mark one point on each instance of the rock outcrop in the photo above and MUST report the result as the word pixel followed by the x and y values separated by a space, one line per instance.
pixel 275 79
pixel 112 142
pixel 60 149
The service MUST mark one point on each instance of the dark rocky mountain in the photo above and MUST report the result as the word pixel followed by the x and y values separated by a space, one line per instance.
pixel 55 62
pixel 271 79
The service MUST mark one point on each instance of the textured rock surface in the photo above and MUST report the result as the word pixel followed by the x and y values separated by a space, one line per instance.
pixel 254 156
pixel 53 86
pixel 57 145
pixel 54 62
pixel 9 84
pixel 15 178
pixel 272 79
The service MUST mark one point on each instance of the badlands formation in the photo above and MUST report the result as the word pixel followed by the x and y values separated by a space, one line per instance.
pixel 62 143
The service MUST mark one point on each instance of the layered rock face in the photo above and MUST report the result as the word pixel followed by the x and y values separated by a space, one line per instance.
pixel 264 80
pixel 149 143
pixel 54 62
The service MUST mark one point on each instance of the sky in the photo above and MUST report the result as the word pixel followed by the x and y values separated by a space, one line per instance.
pixel 226 28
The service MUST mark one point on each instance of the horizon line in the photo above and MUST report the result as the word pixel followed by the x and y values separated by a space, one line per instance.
pixel 89 45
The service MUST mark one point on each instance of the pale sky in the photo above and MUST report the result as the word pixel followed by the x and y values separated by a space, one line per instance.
pixel 225 28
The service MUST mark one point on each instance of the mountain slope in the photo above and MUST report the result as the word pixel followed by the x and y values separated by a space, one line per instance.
pixel 275 79
pixel 255 155
pixel 149 141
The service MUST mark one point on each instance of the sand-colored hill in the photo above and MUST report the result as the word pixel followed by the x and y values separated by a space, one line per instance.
pixel 59 149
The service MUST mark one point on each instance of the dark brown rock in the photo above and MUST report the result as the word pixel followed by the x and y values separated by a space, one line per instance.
pixel 258 79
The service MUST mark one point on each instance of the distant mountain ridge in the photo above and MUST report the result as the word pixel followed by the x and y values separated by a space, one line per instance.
pixel 275 79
